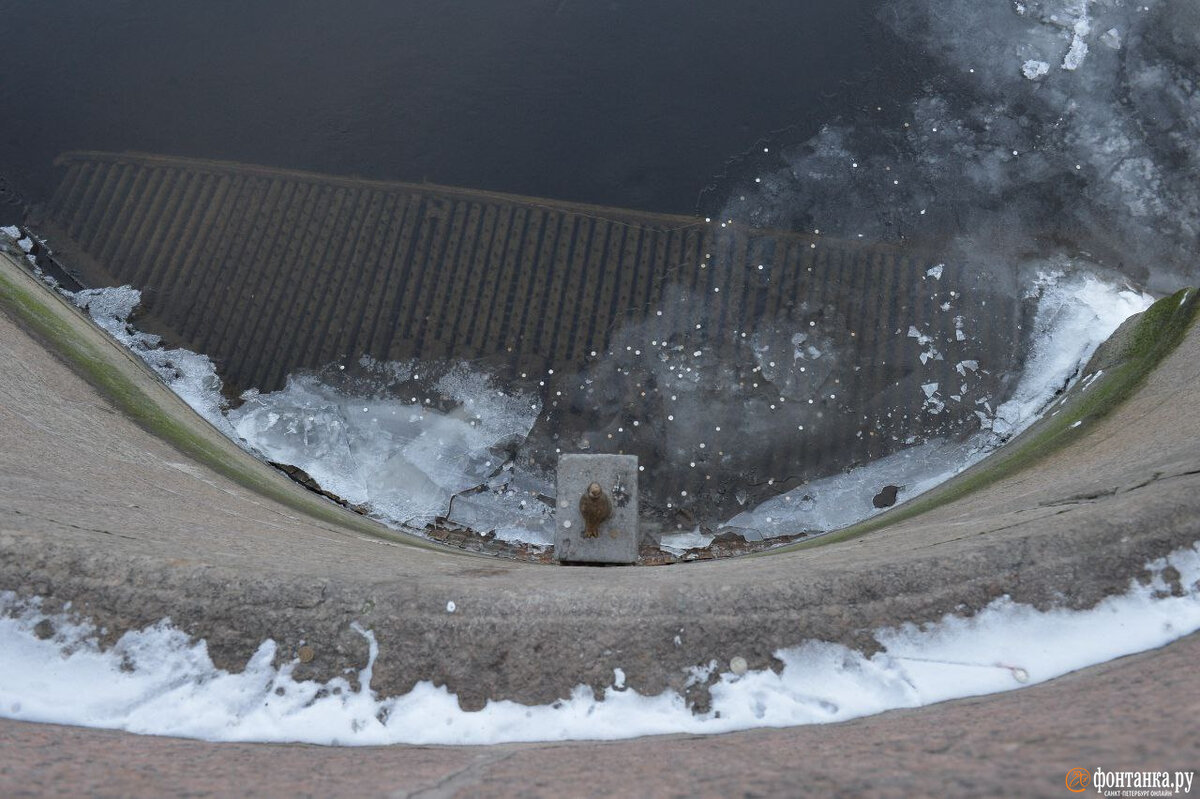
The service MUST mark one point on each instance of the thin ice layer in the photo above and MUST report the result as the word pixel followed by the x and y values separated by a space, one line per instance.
pixel 1065 121
pixel 404 460
pixel 1076 312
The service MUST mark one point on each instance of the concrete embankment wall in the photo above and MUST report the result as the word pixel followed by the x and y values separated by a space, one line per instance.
pixel 131 527
pixel 270 270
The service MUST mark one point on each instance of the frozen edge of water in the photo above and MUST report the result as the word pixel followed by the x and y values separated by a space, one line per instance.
pixel 1077 311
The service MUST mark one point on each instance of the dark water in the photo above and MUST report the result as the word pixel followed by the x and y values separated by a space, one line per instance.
pixel 1002 141
pixel 639 104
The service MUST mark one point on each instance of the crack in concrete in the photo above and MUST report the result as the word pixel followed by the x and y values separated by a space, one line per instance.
pixel 460 780
pixel 991 530
pixel 1081 498
pixel 80 527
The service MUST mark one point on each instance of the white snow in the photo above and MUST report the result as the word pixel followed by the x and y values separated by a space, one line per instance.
pixel 155 681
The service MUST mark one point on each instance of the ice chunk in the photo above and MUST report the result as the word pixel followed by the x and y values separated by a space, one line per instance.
pixel 921 338
pixel 403 460
pixel 109 307
pixel 678 543
pixel 841 500
pixel 1074 57
pixel 1034 69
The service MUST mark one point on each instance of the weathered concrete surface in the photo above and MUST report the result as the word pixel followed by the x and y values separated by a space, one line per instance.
pixel 1137 713
pixel 96 511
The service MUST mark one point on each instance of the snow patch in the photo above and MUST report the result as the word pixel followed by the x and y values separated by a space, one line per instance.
pixel 156 681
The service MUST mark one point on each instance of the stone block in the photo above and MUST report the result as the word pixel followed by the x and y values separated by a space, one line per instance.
pixel 617 539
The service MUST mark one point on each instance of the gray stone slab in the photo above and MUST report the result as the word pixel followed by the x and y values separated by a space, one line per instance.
pixel 616 540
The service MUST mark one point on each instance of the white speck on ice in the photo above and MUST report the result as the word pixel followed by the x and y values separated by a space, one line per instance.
pixel 935 272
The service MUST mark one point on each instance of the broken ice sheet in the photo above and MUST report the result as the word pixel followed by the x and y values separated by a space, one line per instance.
pixel 842 500
pixel 513 505
pixel 679 543
pixel 403 460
